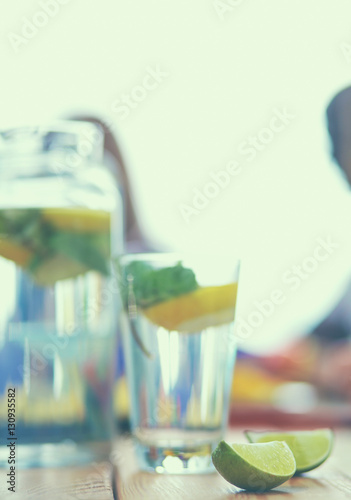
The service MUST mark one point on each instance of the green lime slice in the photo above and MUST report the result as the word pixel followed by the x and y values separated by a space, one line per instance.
pixel 254 467
pixel 310 448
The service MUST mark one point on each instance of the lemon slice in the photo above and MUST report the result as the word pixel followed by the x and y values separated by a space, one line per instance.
pixel 255 467
pixel 310 448
pixel 191 312
pixel 15 252
pixel 79 220
pixel 58 267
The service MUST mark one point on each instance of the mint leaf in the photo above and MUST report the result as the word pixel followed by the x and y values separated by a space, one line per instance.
pixel 151 286
pixel 82 248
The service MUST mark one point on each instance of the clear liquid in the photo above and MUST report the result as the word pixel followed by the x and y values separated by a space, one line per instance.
pixel 180 395
pixel 57 349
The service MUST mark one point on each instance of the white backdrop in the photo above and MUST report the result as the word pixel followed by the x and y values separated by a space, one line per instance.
pixel 221 70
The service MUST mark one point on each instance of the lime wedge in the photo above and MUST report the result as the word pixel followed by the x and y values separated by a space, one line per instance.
pixel 310 448
pixel 254 467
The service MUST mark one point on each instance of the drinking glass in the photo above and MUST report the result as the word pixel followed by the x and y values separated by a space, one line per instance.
pixel 177 326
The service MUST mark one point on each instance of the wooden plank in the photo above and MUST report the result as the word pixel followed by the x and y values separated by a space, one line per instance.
pixel 331 480
pixel 93 482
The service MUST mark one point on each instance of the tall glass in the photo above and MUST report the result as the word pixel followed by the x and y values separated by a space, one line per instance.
pixel 177 324
pixel 59 209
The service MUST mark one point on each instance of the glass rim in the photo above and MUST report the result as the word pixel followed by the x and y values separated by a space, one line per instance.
pixel 52 140
pixel 165 256
pixel 59 126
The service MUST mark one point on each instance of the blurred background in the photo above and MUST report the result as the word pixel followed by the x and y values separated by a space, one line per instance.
pixel 194 89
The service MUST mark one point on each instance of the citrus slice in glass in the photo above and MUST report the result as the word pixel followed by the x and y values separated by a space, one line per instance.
pixel 255 467
pixel 194 311
pixel 310 448
pixel 81 220
pixel 11 250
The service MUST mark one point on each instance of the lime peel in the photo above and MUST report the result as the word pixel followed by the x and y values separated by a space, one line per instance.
pixel 255 467
pixel 310 448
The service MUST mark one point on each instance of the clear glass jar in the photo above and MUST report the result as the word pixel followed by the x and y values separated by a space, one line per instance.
pixel 60 225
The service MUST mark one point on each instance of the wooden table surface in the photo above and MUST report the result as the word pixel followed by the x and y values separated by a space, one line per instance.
pixel 125 481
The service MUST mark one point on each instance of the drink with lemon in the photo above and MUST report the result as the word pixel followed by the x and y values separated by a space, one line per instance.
pixel 177 324
pixel 61 221
pixel 57 335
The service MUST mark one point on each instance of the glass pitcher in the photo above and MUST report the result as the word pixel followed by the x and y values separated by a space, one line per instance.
pixel 60 225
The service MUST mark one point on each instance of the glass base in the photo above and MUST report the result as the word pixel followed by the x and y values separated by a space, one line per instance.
pixel 65 453
pixel 176 460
